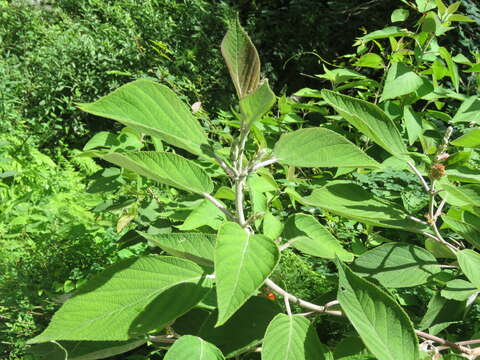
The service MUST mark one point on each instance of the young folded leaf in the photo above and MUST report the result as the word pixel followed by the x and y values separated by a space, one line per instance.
pixel 166 168
pixel 368 119
pixel 242 263
pixel 319 147
pixel 129 299
pixel 257 104
pixel 381 323
pixel 242 59
pixel 193 348
pixel 152 109
pixel 291 338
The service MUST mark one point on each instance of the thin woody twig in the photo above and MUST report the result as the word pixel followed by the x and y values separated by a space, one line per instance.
pixel 441 341
pixel 259 165
pixel 219 205
pixel 302 303
pixel 419 175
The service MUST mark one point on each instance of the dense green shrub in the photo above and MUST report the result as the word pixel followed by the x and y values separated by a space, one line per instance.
pixel 50 239
pixel 76 51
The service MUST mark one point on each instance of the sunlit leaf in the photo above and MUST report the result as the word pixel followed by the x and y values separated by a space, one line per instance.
pixel 313 147
pixel 469 262
pixel 381 323
pixel 291 338
pixel 129 299
pixel 368 119
pixel 152 109
pixel 166 168
pixel 242 263
pixel 193 348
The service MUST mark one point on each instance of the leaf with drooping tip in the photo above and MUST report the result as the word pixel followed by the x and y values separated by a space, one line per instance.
pixel 166 168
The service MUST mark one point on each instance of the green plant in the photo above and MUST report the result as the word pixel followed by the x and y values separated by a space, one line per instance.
pixel 265 195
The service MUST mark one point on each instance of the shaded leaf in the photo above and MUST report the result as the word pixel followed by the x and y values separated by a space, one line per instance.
pixel 242 59
pixel 197 247
pixel 251 321
pixel 397 265
pixel 352 201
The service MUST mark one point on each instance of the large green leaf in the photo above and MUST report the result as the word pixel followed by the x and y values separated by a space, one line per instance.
pixel 197 247
pixel 152 109
pixel 469 111
pixel 310 237
pixel 83 350
pixel 166 168
pixel 397 265
pixel 242 59
pixel 470 139
pixel 368 119
pixel 193 348
pixel 458 289
pixel 352 201
pixel 129 299
pixel 257 104
pixel 469 262
pixel 401 80
pixel 242 263
pixel 382 324
pixel 313 147
pixel 291 338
